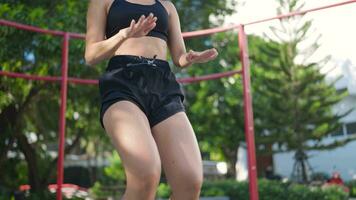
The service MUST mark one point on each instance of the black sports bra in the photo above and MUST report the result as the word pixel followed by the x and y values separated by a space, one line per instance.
pixel 121 12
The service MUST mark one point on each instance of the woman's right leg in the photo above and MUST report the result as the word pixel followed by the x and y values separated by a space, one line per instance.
pixel 129 131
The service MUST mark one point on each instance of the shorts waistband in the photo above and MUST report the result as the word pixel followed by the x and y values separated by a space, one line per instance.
pixel 118 61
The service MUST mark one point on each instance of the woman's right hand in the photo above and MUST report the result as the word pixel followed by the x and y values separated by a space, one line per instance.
pixel 140 28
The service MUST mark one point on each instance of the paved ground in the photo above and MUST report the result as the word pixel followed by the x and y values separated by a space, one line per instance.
pixel 226 198
pixel 210 198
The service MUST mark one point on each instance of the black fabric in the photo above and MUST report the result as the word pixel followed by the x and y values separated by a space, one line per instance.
pixel 121 13
pixel 149 83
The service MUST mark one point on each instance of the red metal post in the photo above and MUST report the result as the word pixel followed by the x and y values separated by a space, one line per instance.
pixel 249 127
pixel 62 112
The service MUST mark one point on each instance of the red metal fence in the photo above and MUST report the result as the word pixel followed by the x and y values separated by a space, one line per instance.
pixel 245 72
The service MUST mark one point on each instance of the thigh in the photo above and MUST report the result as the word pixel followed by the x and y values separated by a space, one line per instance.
pixel 179 150
pixel 129 131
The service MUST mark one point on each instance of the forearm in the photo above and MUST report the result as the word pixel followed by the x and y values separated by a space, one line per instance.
pixel 99 51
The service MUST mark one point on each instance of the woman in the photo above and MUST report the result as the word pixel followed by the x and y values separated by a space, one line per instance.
pixel 142 110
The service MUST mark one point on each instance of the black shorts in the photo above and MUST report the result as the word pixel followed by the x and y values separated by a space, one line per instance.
pixel 147 82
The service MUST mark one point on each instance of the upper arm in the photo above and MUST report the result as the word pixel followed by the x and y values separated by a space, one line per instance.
pixel 96 22
pixel 175 38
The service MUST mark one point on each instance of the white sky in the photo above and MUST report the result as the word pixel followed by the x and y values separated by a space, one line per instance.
pixel 337 25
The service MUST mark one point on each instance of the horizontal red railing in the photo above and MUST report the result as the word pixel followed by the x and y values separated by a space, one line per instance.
pixel 94 81
pixel 291 14
pixel 30 28
pixel 191 34
pixel 186 35
pixel 209 77
pixel 30 77
pixel 64 79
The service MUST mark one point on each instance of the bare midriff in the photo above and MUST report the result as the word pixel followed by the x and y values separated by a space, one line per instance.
pixel 144 46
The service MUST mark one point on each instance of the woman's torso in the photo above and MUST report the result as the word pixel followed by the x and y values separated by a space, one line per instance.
pixel 148 46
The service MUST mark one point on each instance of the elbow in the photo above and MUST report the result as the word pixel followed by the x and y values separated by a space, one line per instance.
pixel 177 61
pixel 89 60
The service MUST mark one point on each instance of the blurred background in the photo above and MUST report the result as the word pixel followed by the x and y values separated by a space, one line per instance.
pixel 303 76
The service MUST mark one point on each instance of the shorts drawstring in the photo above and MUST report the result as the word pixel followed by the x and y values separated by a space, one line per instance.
pixel 144 60
pixel 151 62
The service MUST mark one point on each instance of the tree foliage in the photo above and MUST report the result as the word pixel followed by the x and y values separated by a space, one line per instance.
pixel 293 97
pixel 29 109
pixel 216 106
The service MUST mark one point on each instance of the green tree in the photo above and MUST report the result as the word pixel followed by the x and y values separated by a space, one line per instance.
pixel 29 109
pixel 293 97
pixel 216 106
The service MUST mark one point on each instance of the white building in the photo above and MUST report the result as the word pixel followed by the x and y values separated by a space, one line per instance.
pixel 342 159
pixel 337 40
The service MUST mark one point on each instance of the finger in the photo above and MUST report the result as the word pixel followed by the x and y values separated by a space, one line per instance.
pixel 202 55
pixel 214 50
pixel 140 21
pixel 192 55
pixel 150 17
pixel 131 28
pixel 152 20
pixel 147 30
pixel 132 24
pixel 208 53
pixel 205 56
pixel 147 24
pixel 213 56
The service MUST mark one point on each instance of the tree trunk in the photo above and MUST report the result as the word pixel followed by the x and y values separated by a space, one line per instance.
pixel 52 166
pixel 231 162
pixel 301 167
pixel 30 157
pixel 9 122
pixel 304 171
pixel 8 119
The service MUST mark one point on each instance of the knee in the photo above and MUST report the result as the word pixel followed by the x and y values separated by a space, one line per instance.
pixel 143 183
pixel 193 185
pixel 147 180
pixel 150 180
pixel 189 186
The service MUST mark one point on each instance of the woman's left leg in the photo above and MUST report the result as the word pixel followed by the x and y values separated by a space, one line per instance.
pixel 180 156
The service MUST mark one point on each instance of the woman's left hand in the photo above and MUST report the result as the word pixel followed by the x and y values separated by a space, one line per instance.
pixel 201 57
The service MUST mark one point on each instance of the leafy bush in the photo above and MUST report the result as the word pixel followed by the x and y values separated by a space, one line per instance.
pixel 115 170
pixel 45 195
pixel 101 191
pixel 352 187
pixel 112 181
pixel 320 176
pixel 268 190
